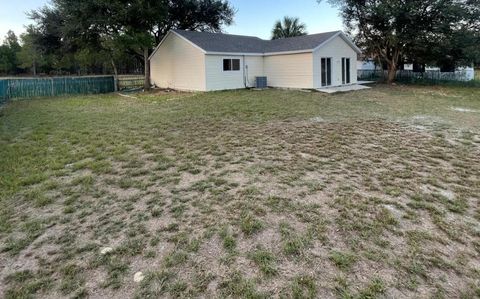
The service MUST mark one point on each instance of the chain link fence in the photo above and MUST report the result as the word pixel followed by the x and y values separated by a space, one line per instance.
pixel 461 77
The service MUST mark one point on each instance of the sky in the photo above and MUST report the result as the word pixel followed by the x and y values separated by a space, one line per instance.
pixel 253 17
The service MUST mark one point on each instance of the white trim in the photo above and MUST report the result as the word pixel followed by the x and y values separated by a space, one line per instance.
pixel 350 42
pixel 343 65
pixel 231 59
pixel 327 41
pixel 179 35
pixel 158 46
pixel 234 54
pixel 331 71
pixel 288 52
pixel 259 54
pixel 344 37
pixel 188 41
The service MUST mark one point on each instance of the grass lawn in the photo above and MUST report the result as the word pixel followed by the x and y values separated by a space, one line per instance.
pixel 242 194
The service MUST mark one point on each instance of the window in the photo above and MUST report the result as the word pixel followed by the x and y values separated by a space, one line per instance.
pixel 326 69
pixel 345 70
pixel 231 64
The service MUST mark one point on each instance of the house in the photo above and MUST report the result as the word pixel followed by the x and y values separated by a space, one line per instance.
pixel 204 61
pixel 365 63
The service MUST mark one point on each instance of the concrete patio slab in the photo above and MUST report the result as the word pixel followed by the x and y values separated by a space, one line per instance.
pixel 345 88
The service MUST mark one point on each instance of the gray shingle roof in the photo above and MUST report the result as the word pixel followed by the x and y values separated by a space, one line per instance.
pixel 218 42
pixel 306 42
pixel 227 43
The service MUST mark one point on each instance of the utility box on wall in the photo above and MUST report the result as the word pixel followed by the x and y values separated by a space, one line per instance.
pixel 261 82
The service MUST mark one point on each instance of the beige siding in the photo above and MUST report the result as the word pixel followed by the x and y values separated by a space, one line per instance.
pixel 178 64
pixel 336 49
pixel 290 71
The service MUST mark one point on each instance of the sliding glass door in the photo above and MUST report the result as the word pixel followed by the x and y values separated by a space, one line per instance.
pixel 345 70
pixel 326 71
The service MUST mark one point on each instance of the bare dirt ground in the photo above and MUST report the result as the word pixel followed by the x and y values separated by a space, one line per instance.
pixel 252 194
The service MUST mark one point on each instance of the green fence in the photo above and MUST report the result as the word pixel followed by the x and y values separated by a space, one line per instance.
pixel 3 90
pixel 21 88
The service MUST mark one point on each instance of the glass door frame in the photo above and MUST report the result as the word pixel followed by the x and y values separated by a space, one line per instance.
pixel 326 71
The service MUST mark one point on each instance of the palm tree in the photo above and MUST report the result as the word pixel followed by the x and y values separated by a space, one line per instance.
pixel 290 27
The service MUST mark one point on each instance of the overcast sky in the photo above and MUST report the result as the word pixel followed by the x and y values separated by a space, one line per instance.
pixel 254 17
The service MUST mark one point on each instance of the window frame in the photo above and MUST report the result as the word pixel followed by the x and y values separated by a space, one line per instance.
pixel 346 65
pixel 326 63
pixel 231 65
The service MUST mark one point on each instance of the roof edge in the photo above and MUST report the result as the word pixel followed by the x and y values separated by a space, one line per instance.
pixel 258 54
pixel 288 52
pixel 158 46
pixel 339 33
pixel 350 42
pixel 179 31
pixel 179 35
pixel 233 53
pixel 345 39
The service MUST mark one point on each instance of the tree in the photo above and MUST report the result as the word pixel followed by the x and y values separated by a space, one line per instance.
pixel 30 57
pixel 136 25
pixel 460 45
pixel 195 15
pixel 5 60
pixel 11 41
pixel 460 49
pixel 393 30
pixel 49 42
pixel 288 27
pixel 8 53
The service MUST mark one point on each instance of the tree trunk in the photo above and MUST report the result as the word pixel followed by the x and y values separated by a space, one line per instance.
pixel 34 68
pixel 146 86
pixel 115 74
pixel 392 72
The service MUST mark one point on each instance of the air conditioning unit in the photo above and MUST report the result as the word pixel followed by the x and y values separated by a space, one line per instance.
pixel 261 82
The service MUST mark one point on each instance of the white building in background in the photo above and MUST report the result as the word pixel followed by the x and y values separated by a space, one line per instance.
pixel 465 73
pixel 367 65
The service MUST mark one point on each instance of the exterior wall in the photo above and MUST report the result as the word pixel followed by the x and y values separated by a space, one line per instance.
pixel 255 69
pixel 217 79
pixel 336 49
pixel 289 71
pixel 179 65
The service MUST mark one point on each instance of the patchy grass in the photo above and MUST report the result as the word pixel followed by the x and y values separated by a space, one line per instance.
pixel 265 260
pixel 242 194
pixel 343 260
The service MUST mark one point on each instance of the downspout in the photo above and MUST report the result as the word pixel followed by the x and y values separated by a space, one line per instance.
pixel 244 79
